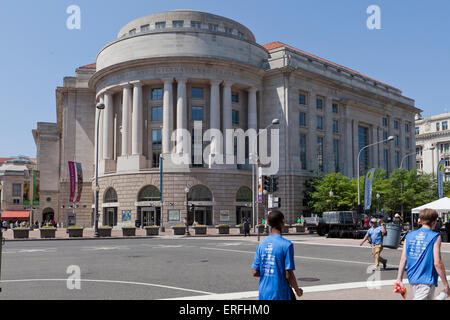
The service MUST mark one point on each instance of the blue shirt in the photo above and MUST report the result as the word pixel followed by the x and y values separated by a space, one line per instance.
pixel 273 257
pixel 375 235
pixel 419 256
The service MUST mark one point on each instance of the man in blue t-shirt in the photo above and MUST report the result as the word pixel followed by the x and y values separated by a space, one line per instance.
pixel 422 256
pixel 375 234
pixel 274 263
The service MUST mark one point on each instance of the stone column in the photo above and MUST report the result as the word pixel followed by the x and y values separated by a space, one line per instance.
pixel 108 127
pixel 252 118
pixel 328 152
pixel 412 144
pixel 181 113
pixel 227 119
pixel 376 148
pixel 391 145
pixel 311 144
pixel 136 144
pixel 167 116
pixel 127 103
pixel 214 113
pixel 401 138
pixel 356 164
pixel 99 113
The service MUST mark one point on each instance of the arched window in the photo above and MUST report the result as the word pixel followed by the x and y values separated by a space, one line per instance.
pixel 244 194
pixel 149 193
pixel 199 193
pixel 110 196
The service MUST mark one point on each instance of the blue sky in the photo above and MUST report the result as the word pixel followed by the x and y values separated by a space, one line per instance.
pixel 410 52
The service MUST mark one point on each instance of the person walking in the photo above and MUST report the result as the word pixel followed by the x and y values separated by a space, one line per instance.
pixel 5 225
pixel 422 257
pixel 375 234
pixel 246 228
pixel 274 263
pixel 397 219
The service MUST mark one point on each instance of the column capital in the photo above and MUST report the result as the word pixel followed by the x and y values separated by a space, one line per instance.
pixel 126 85
pixel 167 80
pixel 215 82
pixel 252 90
pixel 136 83
pixel 227 83
pixel 184 80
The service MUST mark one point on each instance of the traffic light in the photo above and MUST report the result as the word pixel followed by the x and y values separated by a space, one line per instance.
pixel 274 184
pixel 266 183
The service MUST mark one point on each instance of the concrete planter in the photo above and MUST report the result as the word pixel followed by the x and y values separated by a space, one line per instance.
pixel 21 233
pixel 285 229
pixel 241 229
pixel 76 232
pixel 48 232
pixel 299 228
pixel 104 232
pixel 223 229
pixel 152 231
pixel 200 230
pixel 179 231
pixel 129 231
pixel 260 229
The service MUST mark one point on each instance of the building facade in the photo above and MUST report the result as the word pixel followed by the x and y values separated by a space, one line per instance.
pixel 187 69
pixel 433 143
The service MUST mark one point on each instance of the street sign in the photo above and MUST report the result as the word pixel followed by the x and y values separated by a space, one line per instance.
pixel 270 205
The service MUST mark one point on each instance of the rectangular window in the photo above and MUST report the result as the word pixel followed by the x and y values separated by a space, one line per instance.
pixel 385 136
pixel 363 138
pixel 335 108
pixel 437 126
pixel 235 116
pixel 320 153
pixel 386 160
pixel 157 114
pixel 160 25
pixel 178 24
pixel 240 35
pixel 145 28
pixel 397 159
pixel 302 99
pixel 303 151
pixel 157 94
pixel 444 125
pixel 319 103
pixel 197 113
pixel 319 123
pixel 396 143
pixel 213 27
pixel 407 143
pixel 16 201
pixel 395 124
pixel 197 93
pixel 335 126
pixel 446 147
pixel 156 147
pixel 447 162
pixel 336 155
pixel 17 190
pixel 235 97
pixel 228 30
pixel 385 122
pixel 302 119
pixel 196 24
pixel 417 130
pixel 132 32
pixel 406 127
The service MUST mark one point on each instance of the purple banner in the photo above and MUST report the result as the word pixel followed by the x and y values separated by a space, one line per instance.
pixel 72 180
pixel 79 180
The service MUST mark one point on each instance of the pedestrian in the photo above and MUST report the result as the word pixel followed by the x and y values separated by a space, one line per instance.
pixel 274 263
pixel 5 225
pixel 367 223
pixel 397 219
pixel 422 257
pixel 246 228
pixel 375 234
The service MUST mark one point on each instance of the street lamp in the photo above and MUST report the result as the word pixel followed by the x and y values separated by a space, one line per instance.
pixel 187 210
pixel 378 200
pixel 390 138
pixel 331 196
pixel 100 107
pixel 432 157
pixel 255 158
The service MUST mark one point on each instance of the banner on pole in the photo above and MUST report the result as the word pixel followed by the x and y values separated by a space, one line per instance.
pixel 36 187
pixel 368 189
pixel 440 178
pixel 260 192
pixel 72 181
pixel 79 180
pixel 27 188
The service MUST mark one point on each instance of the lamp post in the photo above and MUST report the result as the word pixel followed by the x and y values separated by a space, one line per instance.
pixel 378 200
pixel 100 107
pixel 187 210
pixel 432 157
pixel 255 158
pixel 331 196
pixel 390 138
pixel 404 157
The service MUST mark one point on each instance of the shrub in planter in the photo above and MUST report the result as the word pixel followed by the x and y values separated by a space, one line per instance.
pixel 179 230
pixel 129 231
pixel 47 232
pixel 152 230
pixel 200 229
pixel 21 233
pixel 75 231
pixel 104 231
pixel 223 228
pixel 241 228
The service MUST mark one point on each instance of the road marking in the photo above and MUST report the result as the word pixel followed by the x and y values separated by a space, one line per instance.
pixel 30 250
pixel 104 248
pixel 111 281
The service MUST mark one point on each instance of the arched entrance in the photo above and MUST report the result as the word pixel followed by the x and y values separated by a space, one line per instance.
pixel 200 205
pixel 149 207
pixel 110 201
pixel 244 205
pixel 48 214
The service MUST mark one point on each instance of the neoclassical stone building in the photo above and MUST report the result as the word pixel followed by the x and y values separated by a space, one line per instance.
pixel 182 69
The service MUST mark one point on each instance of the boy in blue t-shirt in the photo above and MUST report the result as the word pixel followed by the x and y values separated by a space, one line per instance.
pixel 274 263
pixel 422 256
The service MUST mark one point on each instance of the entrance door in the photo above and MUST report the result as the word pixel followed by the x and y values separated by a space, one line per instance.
pixel 243 213
pixel 110 217
pixel 150 216
pixel 200 215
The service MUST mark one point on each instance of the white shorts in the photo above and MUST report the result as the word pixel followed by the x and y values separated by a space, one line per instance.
pixel 423 291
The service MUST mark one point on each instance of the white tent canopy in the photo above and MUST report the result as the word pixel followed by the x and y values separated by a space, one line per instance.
pixel 441 206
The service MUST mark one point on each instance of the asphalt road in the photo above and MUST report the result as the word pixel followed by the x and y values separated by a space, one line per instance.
pixel 165 268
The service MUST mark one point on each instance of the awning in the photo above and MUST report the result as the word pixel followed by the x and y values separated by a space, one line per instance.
pixel 15 215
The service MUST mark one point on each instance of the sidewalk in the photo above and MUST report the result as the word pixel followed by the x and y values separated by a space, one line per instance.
pixel 116 233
